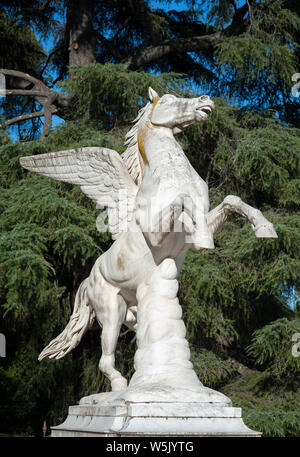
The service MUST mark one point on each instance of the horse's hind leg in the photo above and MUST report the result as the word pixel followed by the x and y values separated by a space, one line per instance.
pixel 110 310
pixel 111 324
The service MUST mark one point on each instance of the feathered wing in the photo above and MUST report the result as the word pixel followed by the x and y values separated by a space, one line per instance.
pixel 101 175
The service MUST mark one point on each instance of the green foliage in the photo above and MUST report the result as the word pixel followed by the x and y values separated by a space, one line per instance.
pixel 82 134
pixel 274 423
pixel 263 57
pixel 267 406
pixel 205 293
pixel 256 390
pixel 111 95
pixel 249 154
pixel 30 393
pixel 270 157
pixel 271 347
pixel 212 371
pixel 19 48
pixel 238 287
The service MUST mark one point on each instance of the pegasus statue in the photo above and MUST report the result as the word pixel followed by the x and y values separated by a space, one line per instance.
pixel 158 208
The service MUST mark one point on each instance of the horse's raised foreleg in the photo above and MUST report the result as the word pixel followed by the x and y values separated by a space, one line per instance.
pixel 171 218
pixel 195 224
pixel 163 221
pixel 232 204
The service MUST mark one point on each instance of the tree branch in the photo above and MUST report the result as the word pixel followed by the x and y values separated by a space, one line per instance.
pixel 51 101
pixel 196 43
pixel 24 117
pixel 147 55
pixel 123 26
pixel 26 76
pixel 36 93
pixel 49 58
pixel 250 13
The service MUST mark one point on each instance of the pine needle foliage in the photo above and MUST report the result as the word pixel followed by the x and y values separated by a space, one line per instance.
pixel 255 64
pixel 19 48
pixel 111 95
pixel 274 423
pixel 210 368
pixel 271 347
pixel 267 407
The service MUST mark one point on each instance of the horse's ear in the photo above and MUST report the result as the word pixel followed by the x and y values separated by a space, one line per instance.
pixel 152 94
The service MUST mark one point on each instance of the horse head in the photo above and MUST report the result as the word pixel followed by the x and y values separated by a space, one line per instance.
pixel 167 111
pixel 177 113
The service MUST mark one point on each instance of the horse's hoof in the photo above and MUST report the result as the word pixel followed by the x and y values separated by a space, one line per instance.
pixel 202 242
pixel 265 231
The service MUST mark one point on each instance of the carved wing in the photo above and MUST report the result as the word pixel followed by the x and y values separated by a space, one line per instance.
pixel 101 175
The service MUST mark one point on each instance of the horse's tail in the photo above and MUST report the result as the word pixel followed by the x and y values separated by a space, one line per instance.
pixel 80 321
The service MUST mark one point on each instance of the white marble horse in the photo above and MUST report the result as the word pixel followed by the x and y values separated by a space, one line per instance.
pixel 158 207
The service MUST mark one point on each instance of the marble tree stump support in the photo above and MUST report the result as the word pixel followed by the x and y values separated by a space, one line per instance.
pixel 164 371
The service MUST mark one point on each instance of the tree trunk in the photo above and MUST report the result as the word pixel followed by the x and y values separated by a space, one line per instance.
pixel 82 37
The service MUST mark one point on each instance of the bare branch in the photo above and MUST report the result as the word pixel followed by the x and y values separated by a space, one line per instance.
pixel 151 53
pixel 21 75
pixel 24 117
pixel 123 26
pixel 51 101
pixel 36 93
pixel 250 14
pixel 49 58
pixel 49 111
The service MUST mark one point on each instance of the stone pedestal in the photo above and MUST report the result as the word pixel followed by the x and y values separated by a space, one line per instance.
pixel 164 396
pixel 121 419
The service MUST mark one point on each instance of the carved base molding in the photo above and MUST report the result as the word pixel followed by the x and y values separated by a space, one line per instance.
pixel 123 418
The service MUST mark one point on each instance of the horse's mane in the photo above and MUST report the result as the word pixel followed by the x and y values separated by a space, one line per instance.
pixel 132 157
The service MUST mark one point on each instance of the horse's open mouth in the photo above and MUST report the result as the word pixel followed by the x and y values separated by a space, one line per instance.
pixel 205 109
pixel 203 112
